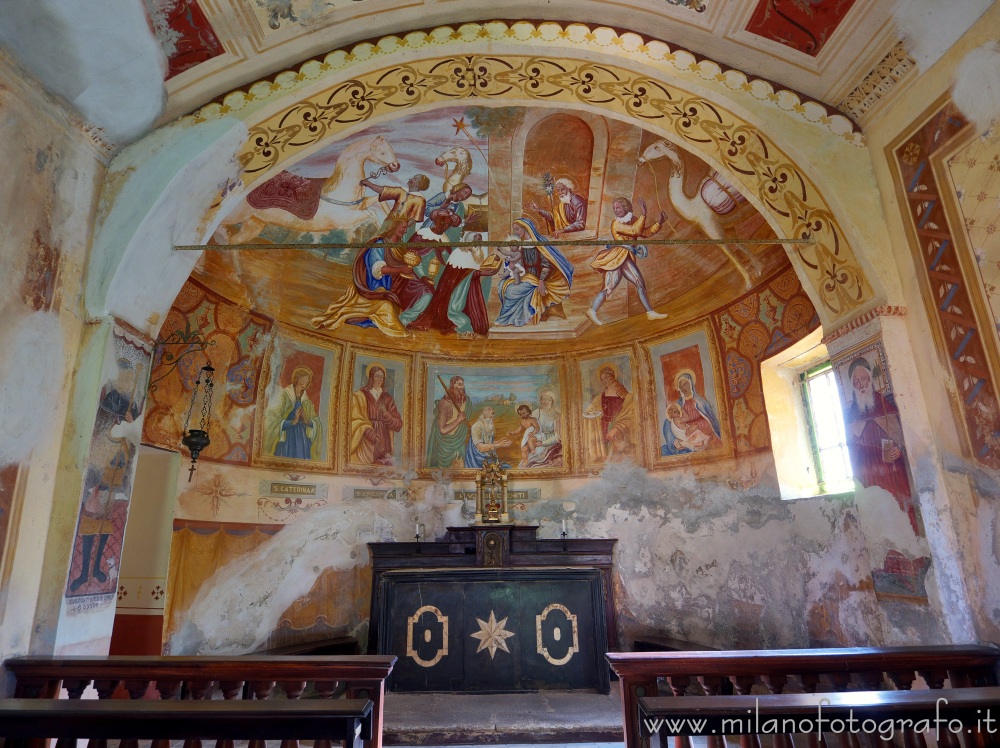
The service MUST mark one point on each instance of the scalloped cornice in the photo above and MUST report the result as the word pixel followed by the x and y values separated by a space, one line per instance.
pixel 677 65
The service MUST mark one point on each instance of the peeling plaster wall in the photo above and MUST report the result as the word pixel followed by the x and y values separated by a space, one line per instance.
pixel 698 559
pixel 48 214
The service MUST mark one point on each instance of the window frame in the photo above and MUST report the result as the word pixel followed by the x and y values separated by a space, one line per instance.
pixel 805 376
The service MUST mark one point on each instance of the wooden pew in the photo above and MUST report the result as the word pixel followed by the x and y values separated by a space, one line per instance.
pixel 24 721
pixel 363 676
pixel 868 668
pixel 953 717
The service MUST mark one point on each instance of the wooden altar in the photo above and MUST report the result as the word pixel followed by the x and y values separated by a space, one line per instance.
pixel 493 608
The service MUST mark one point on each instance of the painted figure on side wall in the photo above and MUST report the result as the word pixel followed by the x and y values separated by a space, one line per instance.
pixel 616 261
pixel 875 436
pixel 609 419
pixel 482 440
pixel 569 210
pixel 449 435
pixel 292 427
pixel 547 280
pixel 691 424
pixel 374 421
pixel 108 480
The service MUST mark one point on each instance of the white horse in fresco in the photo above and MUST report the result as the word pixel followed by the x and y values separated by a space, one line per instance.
pixel 342 203
pixel 715 197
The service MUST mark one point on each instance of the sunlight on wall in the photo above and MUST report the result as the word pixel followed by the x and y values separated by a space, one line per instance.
pixel 786 415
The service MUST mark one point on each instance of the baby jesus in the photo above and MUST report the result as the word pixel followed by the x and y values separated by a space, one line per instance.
pixel 688 437
pixel 513 264
pixel 529 425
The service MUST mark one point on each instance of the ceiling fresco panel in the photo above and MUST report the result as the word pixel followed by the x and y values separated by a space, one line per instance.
pixel 185 34
pixel 804 25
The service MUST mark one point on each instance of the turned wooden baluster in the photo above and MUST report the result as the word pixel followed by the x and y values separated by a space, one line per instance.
pixel 903 681
pixel 136 689
pixel 713 687
pixel 292 689
pixel 810 681
pixel 198 690
pixel 168 689
pixel 775 683
pixel 845 737
pixel 324 690
pixel 678 687
pixel 76 686
pixel 742 685
pixel 261 689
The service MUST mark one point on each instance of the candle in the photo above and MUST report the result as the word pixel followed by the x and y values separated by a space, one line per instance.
pixel 564 527
pixel 417 531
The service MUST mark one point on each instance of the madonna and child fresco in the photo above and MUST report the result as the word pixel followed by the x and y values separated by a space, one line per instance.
pixel 686 396
pixel 412 189
pixel 510 413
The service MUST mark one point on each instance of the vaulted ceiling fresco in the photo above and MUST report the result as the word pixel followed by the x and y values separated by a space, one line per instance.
pixel 595 199
pixel 823 49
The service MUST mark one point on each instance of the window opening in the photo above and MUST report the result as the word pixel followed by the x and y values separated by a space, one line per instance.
pixel 825 417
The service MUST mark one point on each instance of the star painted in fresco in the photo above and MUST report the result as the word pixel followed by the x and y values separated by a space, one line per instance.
pixel 458 124
pixel 492 635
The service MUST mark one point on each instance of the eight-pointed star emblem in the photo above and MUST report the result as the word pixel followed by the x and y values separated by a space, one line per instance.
pixel 492 635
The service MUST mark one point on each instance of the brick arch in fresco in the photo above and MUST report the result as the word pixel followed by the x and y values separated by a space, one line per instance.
pixel 772 180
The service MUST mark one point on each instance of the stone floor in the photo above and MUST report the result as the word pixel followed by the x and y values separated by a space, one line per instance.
pixel 583 720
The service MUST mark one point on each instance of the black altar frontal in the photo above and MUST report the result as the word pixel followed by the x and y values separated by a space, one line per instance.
pixel 492 608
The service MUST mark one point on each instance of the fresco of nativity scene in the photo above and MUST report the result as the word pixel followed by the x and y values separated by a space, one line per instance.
pixel 432 197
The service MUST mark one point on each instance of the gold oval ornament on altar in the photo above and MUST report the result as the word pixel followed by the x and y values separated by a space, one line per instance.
pixel 427 635
pixel 557 634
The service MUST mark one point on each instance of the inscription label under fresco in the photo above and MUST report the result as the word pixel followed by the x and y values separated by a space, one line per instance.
pixel 303 490
pixel 355 492
pixel 513 497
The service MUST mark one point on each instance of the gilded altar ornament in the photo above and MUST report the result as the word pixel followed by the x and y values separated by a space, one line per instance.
pixel 491 493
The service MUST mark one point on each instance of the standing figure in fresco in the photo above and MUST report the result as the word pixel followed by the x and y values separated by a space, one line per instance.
pixel 547 451
pixel 617 260
pixel 609 419
pixel 482 441
pixel 291 425
pixel 109 473
pixel 374 419
pixel 569 214
pixel 407 204
pixel 389 288
pixel 696 414
pixel 874 439
pixel 449 434
pixel 458 305
pixel 548 277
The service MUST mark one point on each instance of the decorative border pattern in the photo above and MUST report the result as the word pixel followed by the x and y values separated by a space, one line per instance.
pixel 879 82
pixel 950 295
pixel 864 319
pixel 673 61
pixel 747 153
